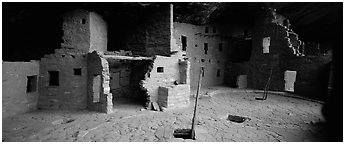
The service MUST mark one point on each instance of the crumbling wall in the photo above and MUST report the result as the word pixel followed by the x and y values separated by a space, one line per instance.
pixel 76 30
pixel 17 96
pixel 279 51
pixel 213 61
pixel 99 66
pixel 165 72
pixel 67 88
pixel 140 72
pixel 284 54
pixel 98 33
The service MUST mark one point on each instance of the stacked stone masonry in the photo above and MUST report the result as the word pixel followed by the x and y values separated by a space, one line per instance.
pixel 205 50
pixel 16 96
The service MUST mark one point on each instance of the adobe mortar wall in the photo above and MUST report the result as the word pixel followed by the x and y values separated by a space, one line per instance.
pixel 98 65
pixel 76 34
pixel 166 78
pixel 71 92
pixel 15 98
pixel 213 60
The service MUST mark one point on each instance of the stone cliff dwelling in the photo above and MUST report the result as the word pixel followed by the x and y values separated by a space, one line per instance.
pixel 105 58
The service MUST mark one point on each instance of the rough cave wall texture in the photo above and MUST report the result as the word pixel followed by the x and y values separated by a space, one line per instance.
pixel 213 62
pixel 15 97
pixel 99 66
pixel 70 90
pixel 152 37
pixel 84 30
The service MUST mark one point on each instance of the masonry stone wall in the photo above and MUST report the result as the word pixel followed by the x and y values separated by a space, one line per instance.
pixel 76 30
pixel 120 78
pixel 16 98
pixel 70 90
pixel 280 50
pixel 169 74
pixel 99 66
pixel 213 62
pixel 84 30
pixel 174 96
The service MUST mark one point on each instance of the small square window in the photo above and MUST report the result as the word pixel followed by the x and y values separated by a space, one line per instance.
pixel 77 71
pixel 160 69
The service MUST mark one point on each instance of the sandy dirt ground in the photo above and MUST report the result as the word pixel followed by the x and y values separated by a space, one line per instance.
pixel 276 119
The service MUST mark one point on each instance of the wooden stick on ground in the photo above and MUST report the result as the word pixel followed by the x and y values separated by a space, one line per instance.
pixel 195 107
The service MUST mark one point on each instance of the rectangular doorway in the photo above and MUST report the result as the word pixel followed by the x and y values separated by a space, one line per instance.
pixel 184 42
pixel 96 88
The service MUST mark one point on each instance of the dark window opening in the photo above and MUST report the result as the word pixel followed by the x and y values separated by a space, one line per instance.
pixel 214 29
pixel 218 72
pixel 83 21
pixel 31 84
pixel 203 71
pixel 77 71
pixel 209 60
pixel 196 45
pixel 53 78
pixel 202 60
pixel 206 47
pixel 220 47
pixel 160 69
pixel 206 29
pixel 184 43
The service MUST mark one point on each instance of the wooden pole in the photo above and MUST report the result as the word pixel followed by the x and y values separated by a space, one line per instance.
pixel 195 107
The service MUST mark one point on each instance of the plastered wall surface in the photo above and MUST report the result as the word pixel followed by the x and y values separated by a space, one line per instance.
pixel 212 62
pixel 76 30
pixel 98 33
pixel 71 92
pixel 15 98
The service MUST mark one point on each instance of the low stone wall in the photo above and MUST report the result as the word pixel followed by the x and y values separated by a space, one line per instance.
pixel 176 96
pixel 17 97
